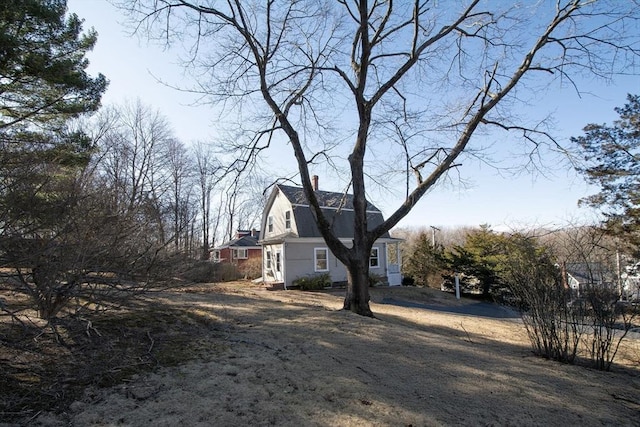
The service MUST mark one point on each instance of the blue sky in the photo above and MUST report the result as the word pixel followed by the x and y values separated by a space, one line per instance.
pixel 134 67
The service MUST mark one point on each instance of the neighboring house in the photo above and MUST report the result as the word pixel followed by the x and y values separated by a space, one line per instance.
pixel 292 246
pixel 242 248
pixel 580 276
pixel 630 287
pixel 631 283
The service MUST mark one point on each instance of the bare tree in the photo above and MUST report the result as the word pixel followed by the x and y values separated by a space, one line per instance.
pixel 596 305
pixel 180 167
pixel 133 163
pixel 555 328
pixel 207 169
pixel 420 81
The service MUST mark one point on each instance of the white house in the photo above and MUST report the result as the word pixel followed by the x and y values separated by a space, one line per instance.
pixel 580 276
pixel 292 246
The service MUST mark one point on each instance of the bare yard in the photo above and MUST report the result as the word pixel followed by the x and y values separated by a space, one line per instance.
pixel 238 354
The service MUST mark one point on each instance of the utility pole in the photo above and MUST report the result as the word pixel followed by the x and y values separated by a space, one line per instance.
pixel 619 274
pixel 433 235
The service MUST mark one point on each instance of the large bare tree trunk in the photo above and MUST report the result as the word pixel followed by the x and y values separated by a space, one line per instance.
pixel 357 296
pixel 423 81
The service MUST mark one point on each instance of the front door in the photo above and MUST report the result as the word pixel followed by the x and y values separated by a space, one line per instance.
pixel 394 276
pixel 277 265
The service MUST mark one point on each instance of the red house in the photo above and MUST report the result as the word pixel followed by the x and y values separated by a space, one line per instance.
pixel 242 248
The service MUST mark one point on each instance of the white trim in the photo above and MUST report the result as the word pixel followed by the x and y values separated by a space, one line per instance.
pixel 315 259
pixel 278 261
pixel 283 251
pixel 377 257
pixel 335 209
pixel 287 220
pixel 240 253
pixel 348 241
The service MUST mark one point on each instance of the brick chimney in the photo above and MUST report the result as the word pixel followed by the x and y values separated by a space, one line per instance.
pixel 242 233
pixel 314 182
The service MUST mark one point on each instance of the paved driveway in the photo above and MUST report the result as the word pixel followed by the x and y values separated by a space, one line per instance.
pixel 484 309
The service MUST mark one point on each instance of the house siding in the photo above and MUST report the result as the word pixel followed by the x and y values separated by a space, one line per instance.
pixel 269 267
pixel 277 212
pixel 300 256
pixel 297 244
pixel 299 262
pixel 226 254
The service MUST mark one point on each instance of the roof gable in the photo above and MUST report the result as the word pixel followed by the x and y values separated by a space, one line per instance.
pixel 586 273
pixel 243 241
pixel 338 208
pixel 326 199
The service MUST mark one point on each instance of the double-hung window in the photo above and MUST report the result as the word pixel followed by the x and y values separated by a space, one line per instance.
pixel 374 260
pixel 321 259
pixel 270 224
pixel 240 254
pixel 287 220
pixel 278 261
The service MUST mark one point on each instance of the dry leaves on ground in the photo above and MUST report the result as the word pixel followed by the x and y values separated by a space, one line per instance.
pixel 238 354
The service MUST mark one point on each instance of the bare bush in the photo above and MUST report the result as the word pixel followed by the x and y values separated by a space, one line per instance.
pixel 251 268
pixel 536 283
pixel 562 327
pixel 610 321
pixel 554 328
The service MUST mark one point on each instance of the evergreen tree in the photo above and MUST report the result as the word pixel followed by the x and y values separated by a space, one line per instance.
pixel 43 81
pixel 479 257
pixel 612 155
pixel 43 85
pixel 424 262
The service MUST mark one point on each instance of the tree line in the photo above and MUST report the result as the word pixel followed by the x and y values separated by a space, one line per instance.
pixel 393 96
pixel 567 284
pixel 107 202
pixel 96 202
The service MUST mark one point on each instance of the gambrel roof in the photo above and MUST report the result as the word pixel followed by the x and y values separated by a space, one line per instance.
pixel 337 208
pixel 326 199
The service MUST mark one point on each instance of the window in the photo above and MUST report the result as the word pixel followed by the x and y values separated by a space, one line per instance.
pixel 268 264
pixel 374 261
pixel 278 262
pixel 240 253
pixel 270 224
pixel 287 220
pixel 321 258
pixel 216 255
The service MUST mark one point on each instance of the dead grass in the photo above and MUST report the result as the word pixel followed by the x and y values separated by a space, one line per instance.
pixel 238 354
pixel 47 368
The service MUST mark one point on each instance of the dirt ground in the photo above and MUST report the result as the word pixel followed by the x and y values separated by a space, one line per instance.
pixel 290 358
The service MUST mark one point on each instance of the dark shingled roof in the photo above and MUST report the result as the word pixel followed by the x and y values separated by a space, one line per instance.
pixel 243 241
pixel 327 199
pixel 337 208
pixel 588 273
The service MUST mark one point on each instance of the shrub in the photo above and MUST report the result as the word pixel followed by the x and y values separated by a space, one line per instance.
pixel 208 271
pixel 408 281
pixel 313 283
pixel 201 272
pixel 227 272
pixel 251 268
pixel 554 328
pixel 376 279
pixel 610 322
